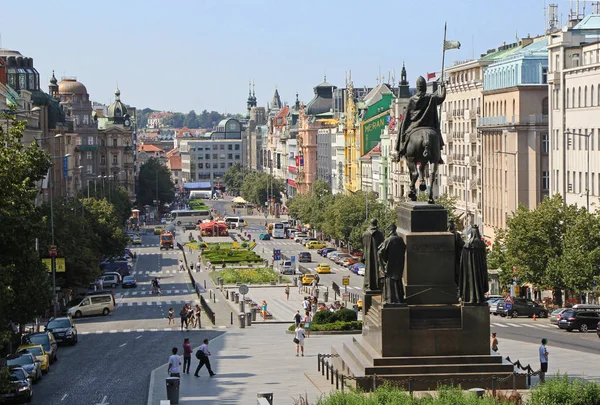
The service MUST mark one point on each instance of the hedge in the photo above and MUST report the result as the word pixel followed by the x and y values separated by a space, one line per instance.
pixel 247 276
pixel 332 327
pixel 343 315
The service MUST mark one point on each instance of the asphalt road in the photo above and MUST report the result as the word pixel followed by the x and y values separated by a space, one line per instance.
pixel 112 362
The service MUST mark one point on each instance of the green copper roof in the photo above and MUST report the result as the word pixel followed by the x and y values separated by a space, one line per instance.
pixel 502 53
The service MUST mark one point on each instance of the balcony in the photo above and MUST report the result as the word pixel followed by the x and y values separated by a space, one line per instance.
pixel 473 160
pixel 532 119
pixel 554 78
pixel 478 182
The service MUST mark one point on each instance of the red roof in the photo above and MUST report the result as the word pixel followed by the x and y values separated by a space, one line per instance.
pixel 175 162
pixel 150 148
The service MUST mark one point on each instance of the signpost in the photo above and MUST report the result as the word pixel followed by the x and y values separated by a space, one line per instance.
pixel 243 289
pixel 276 254
pixel 346 283
pixel 508 302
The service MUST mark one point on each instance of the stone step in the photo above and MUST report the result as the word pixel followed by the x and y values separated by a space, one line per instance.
pixel 440 368
pixel 359 343
pixel 351 350
pixel 437 360
pixel 345 364
pixel 373 319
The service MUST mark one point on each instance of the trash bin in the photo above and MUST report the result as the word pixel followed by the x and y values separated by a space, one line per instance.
pixel 317 293
pixel 242 320
pixel 242 306
pixel 173 389
pixel 254 314
pixel 325 296
pixel 237 298
pixel 248 319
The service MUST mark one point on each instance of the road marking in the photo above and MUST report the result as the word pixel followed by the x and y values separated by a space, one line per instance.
pixel 514 324
pixel 134 293
pixel 123 344
pixel 529 326
pixel 545 326
pixel 499 325
pixel 103 401
pixel 153 330
pixel 126 330
pixel 168 329
pixel 140 330
pixel 64 397
pixel 113 331
pixel 99 332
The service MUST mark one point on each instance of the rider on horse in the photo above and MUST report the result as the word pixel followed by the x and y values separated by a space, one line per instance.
pixel 421 112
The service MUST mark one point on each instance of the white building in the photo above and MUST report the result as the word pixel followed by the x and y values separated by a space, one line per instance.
pixel 574 94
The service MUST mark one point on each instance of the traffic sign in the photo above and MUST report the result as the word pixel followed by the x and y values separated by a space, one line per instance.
pixel 243 289
pixel 346 280
pixel 509 299
pixel 293 259
pixel 276 254
pixel 508 306
pixel 346 296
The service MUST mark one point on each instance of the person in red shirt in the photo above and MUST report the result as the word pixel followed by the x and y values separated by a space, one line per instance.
pixel 187 355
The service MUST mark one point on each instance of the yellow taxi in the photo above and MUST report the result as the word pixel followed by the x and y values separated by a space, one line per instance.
pixel 315 244
pixel 308 278
pixel 39 353
pixel 323 268
pixel 158 230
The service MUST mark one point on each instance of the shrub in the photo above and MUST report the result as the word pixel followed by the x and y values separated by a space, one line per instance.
pixel 322 317
pixel 245 245
pixel 561 390
pixel 343 315
pixel 247 276
pixel 332 327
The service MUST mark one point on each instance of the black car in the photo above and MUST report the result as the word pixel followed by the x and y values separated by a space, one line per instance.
pixel 20 387
pixel 63 330
pixel 582 320
pixel 45 339
pixel 521 307
pixel 27 362
pixel 304 257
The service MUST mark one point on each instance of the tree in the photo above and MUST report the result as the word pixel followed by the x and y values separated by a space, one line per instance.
pixel 258 187
pixel 234 178
pixel 24 281
pixel 191 120
pixel 154 181
pixel 114 194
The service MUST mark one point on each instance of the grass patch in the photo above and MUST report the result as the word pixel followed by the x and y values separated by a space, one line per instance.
pixel 218 254
pixel 247 276
pixel 198 205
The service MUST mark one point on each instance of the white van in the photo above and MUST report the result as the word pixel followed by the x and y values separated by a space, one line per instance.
pixel 204 194
pixel 96 304
pixel 286 267
pixel 235 222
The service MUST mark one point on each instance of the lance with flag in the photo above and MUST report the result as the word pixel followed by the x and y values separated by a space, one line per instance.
pixel 447 45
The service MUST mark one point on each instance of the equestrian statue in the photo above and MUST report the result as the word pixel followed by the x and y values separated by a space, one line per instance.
pixel 420 139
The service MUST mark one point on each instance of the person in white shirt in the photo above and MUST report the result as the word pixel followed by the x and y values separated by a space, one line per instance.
pixel 543 361
pixel 202 355
pixel 174 364
pixel 299 285
pixel 299 339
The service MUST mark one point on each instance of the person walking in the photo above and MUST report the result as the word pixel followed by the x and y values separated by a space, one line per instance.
pixel 183 316
pixel 297 318
pixel 198 266
pixel 299 339
pixel 198 313
pixel 174 364
pixel 287 292
pixel 202 354
pixel 494 343
pixel 543 360
pixel 299 285
pixel 264 310
pixel 171 312
pixel 307 323
pixel 187 355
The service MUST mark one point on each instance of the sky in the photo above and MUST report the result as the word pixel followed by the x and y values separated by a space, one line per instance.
pixel 183 55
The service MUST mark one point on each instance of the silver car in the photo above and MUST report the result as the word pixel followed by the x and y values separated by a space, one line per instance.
pixel 556 315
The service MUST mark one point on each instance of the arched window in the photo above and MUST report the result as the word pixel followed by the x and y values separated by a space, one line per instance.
pixel 505 112
pixel 568 105
pixel 579 97
pixel 573 98
pixel 585 94
pixel 514 107
pixel 592 96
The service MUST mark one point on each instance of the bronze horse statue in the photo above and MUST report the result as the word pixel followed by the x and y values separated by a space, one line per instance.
pixel 423 148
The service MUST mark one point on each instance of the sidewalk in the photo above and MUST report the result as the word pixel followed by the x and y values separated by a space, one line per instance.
pixel 261 359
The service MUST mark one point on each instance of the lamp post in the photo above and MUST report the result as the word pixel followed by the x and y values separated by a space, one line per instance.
pixel 587 185
pixel 53 251
pixel 78 168
pixel 514 155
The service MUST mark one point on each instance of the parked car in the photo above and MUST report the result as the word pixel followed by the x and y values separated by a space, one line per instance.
pixel 598 329
pixel 361 271
pixel 123 268
pixel 348 261
pixel 522 307
pixel 580 319
pixel 298 236
pixel 304 257
pixel 264 236
pixel 20 386
pixel 129 281
pixel 556 315
pixel 338 258
pixel 323 252
pixel 113 273
pixel 354 268
pixel 27 362
pixel 39 353
pixel 333 254
pixel 323 268
pixel 110 280
pixel 63 329
pixel 46 339
pixel 315 244
pixel 493 305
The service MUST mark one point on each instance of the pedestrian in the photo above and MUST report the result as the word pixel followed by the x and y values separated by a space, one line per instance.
pixel 183 316
pixel 287 292
pixel 157 286
pixel 198 314
pixel 264 310
pixel 306 304
pixel 494 343
pixel 171 312
pixel 198 266
pixel 299 285
pixel 299 339
pixel 313 306
pixel 543 361
pixel 174 364
pixel 101 284
pixel 181 268
pixel 297 318
pixel 307 323
pixel 187 355
pixel 202 355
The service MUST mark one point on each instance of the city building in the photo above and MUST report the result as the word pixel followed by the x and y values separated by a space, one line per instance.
pixel 574 91
pixel 207 157
pixel 325 138
pixel 174 166
pixel 157 119
pixel 117 146
pixel 514 142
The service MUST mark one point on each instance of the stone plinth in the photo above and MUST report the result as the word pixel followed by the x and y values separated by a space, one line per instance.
pixel 422 217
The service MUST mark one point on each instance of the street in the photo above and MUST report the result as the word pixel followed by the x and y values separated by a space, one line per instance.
pixel 112 361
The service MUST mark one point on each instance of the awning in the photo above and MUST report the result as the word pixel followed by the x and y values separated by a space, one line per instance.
pixel 205 185
pixel 239 200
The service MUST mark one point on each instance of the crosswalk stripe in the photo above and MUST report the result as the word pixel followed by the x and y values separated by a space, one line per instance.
pixel 499 325
pixel 545 326
pixel 126 330
pixel 514 324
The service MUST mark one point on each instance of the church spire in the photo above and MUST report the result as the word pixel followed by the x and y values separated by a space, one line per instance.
pixel 403 89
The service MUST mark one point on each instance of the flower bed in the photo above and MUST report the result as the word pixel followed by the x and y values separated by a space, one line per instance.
pixel 247 276
pixel 230 256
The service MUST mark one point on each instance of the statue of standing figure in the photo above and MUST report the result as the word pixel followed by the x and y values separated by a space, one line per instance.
pixel 473 281
pixel 458 246
pixel 391 256
pixel 372 238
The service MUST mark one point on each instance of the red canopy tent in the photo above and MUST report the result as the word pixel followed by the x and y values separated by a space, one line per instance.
pixel 213 228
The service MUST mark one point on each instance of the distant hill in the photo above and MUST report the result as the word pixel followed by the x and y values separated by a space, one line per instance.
pixel 191 120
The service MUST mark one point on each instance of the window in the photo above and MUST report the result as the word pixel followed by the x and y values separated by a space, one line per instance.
pixel 88 155
pixel 229 147
pixel 115 143
pixel 229 156
pixel 89 169
pixel 215 147
pixel 579 97
pixel 585 95
pixel 102 159
pixel 545 75
pixel 545 143
pixel 557 62
pixel 568 105
pixel 222 147
pixel 200 165
pixel 90 140
pixel 86 119
pixel 545 180
pixel 237 157
pixel 115 159
pixel 229 164
pixel 207 156
pixel 237 146
pixel 573 98
pixel 592 96
pixel 222 165
pixel 215 156
pixel 215 165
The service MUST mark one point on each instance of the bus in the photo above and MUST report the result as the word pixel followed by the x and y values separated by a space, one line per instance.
pixel 203 194
pixel 278 231
pixel 187 218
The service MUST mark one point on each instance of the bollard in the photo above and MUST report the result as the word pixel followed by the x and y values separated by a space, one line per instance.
pixel 237 298
pixel 337 380
pixel 478 392
pixel 319 362
pixel 322 365
pixel 209 293
pixel 343 382
pixel 494 385
pixel 205 284
pixel 173 389
pixel 232 318
pixel 227 294
pixel 325 296
pixel 242 321
pixel 248 319
pixel 332 374
pixel 410 386
pixel 327 369
pixel 253 315
pixel 242 306
pixel 214 298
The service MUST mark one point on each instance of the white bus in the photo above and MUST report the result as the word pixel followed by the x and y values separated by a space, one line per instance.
pixel 204 194
pixel 187 218
pixel 278 231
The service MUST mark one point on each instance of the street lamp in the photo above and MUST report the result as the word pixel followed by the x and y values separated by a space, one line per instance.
pixel 48 137
pixel 53 251
pixel 587 186
pixel 514 155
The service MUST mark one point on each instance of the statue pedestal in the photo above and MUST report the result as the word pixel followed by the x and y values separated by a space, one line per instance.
pixel 368 295
pixel 431 339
